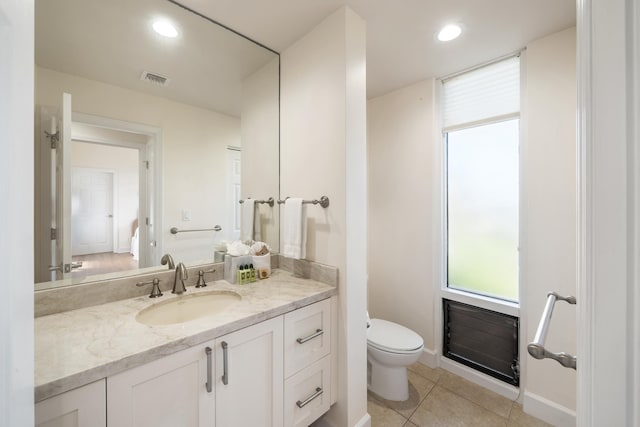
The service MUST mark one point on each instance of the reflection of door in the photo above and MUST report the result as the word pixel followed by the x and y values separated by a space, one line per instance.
pixel 61 222
pixel 91 211
pixel 233 192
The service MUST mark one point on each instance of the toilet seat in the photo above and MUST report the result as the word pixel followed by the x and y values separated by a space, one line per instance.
pixel 393 338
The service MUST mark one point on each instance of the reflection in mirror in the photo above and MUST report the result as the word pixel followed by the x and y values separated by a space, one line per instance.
pixel 150 133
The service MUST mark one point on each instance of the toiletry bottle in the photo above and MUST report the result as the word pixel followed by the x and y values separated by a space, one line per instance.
pixel 252 271
pixel 247 275
pixel 240 280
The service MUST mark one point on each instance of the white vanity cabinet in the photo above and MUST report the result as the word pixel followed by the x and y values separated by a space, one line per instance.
pixel 274 373
pixel 249 377
pixel 307 348
pixel 168 392
pixel 81 407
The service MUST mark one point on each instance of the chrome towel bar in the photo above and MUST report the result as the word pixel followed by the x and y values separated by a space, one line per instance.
pixel 324 201
pixel 269 201
pixel 174 230
pixel 536 348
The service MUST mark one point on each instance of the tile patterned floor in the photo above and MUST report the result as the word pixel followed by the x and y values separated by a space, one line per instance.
pixel 438 398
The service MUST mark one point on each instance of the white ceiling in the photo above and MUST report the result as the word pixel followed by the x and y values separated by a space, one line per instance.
pixel 401 48
pixel 110 40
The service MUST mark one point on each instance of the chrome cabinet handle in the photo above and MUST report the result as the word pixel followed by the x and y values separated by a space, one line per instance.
pixel 317 333
pixel 302 404
pixel 209 382
pixel 225 364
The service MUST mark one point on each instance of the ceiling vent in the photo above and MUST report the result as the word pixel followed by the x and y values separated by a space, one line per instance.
pixel 154 78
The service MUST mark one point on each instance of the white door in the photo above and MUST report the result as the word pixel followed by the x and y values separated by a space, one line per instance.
pixel 233 194
pixel 168 392
pixel 91 211
pixel 249 376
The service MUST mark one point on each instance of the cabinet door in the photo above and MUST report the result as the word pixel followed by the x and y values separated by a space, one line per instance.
pixel 307 336
pixel 249 376
pixel 307 394
pixel 167 392
pixel 82 407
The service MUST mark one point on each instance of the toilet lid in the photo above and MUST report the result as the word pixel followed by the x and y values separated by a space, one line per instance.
pixel 390 336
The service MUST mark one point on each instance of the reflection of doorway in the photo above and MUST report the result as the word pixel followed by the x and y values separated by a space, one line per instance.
pixel 233 193
pixel 91 211
pixel 105 191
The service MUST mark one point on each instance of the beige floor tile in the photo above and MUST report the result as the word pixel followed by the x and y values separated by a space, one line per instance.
pixel 409 424
pixel 381 416
pixel 427 372
pixel 419 387
pixel 443 408
pixel 517 418
pixel 477 394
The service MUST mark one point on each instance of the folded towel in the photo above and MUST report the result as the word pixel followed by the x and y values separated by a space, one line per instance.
pixel 247 219
pixel 295 229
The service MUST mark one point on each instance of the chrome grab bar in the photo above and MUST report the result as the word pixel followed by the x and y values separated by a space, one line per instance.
pixel 174 230
pixel 269 201
pixel 536 348
pixel 323 201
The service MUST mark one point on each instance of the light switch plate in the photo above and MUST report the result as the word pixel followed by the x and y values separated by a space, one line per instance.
pixel 186 215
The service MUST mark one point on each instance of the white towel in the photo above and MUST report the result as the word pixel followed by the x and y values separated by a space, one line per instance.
pixel 247 220
pixel 295 229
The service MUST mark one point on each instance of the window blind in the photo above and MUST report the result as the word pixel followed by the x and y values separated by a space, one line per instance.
pixel 484 93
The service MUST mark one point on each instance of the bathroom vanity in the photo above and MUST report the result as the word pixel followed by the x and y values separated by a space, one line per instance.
pixel 264 360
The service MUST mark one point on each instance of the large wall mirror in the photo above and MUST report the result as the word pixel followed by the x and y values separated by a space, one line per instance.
pixel 139 132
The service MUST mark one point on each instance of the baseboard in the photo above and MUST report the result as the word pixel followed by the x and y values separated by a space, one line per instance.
pixel 429 358
pixel 548 411
pixel 490 383
pixel 364 421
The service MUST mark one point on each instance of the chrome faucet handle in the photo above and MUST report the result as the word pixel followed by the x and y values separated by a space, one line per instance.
pixel 168 259
pixel 155 290
pixel 201 283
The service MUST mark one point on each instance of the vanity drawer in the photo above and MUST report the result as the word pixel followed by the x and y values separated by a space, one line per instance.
pixel 307 336
pixel 307 394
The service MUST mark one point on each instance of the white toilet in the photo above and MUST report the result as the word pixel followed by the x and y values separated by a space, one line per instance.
pixel 390 349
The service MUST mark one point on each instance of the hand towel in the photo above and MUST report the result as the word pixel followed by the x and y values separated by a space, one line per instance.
pixel 295 229
pixel 247 220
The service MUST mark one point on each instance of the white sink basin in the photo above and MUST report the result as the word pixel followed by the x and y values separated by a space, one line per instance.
pixel 188 307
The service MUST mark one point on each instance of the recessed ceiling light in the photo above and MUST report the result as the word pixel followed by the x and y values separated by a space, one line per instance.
pixel 165 28
pixel 449 32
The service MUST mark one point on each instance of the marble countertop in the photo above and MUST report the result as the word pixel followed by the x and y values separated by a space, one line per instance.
pixel 78 347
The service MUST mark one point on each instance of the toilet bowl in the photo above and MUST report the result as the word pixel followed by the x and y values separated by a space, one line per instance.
pixel 390 349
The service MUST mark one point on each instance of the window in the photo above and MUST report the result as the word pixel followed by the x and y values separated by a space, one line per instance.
pixel 481 116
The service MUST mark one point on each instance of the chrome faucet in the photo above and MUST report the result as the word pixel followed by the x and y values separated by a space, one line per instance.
pixel 181 275
pixel 166 258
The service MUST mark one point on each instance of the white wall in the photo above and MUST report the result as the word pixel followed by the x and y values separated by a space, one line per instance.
pixel 194 143
pixel 16 213
pixel 548 258
pixel 402 150
pixel 323 152
pixel 260 130
pixel 124 163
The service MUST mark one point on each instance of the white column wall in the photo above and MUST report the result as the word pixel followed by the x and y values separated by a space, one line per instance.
pixel 548 255
pixel 16 212
pixel 322 146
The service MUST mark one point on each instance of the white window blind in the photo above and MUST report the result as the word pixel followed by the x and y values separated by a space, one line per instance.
pixel 492 91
